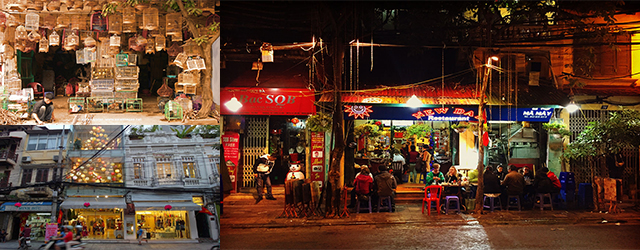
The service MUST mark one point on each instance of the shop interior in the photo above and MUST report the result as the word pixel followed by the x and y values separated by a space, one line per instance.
pixel 38 223
pixel 99 223
pixel 288 143
pixel 164 224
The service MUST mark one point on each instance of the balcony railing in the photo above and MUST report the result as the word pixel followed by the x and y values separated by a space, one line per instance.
pixel 191 182
pixel 8 155
pixel 141 182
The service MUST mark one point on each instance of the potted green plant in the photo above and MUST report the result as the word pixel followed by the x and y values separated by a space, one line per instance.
pixel 557 129
pixel 418 130
pixel 320 122
pixel 136 133
pixel 460 127
pixel 208 131
pixel 369 130
pixel 185 132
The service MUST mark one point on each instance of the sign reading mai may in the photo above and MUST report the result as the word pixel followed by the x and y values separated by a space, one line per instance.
pixel 445 114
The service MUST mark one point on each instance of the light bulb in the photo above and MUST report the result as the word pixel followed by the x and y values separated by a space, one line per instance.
pixel 414 102
pixel 233 104
pixel 572 107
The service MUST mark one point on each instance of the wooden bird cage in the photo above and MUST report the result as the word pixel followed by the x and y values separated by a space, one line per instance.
pixel 133 59
pixel 12 20
pixel 89 55
pixel 173 24
pixel 33 36
pixel 54 39
pixel 129 28
pixel 47 21
pixel 128 15
pixel 43 47
pixel 63 21
pixel 115 23
pixel 122 59
pixel 181 60
pixel 21 33
pixel 160 43
pixel 99 23
pixel 114 41
pixel 80 57
pixel 72 40
pixel 32 21
pixel 89 41
pixel 191 48
pixel 150 48
pixel 141 41
pixel 79 22
pixel 150 19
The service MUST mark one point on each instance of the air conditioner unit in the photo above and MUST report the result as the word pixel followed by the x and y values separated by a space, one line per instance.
pixel 26 159
pixel 56 158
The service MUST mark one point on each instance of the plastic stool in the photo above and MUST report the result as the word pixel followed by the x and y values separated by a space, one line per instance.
pixel 358 204
pixel 539 201
pixel 452 199
pixel 517 197
pixel 381 200
pixel 492 203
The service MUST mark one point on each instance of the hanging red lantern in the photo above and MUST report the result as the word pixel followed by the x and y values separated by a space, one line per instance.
pixel 87 204
pixel 295 121
pixel 378 123
pixel 18 204
pixel 167 207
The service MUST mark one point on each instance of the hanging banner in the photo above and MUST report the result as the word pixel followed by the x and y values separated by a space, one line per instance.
pixel 269 101
pixel 231 144
pixel 317 156
pixel 50 231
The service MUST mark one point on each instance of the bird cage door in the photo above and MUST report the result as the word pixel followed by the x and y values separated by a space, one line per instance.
pixel 255 145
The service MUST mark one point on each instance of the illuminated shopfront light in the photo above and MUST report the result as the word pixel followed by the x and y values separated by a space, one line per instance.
pixel 414 102
pixel 233 105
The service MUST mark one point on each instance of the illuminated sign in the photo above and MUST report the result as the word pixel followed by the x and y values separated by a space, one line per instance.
pixel 445 114
pixel 372 100
pixel 358 111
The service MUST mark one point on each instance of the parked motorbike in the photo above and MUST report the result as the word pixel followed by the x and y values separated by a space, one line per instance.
pixel 25 242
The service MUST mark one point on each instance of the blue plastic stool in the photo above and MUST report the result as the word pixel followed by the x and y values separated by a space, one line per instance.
pixel 492 201
pixel 358 204
pixel 381 200
pixel 452 199
pixel 539 201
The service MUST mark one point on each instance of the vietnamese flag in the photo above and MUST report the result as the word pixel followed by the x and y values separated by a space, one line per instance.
pixel 485 138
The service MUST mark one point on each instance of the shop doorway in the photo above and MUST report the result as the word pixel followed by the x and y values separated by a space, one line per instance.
pixel 202 222
pixel 254 145
pixel 15 228
pixel 287 142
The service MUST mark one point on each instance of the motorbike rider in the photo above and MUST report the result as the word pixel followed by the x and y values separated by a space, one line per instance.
pixel 25 235
pixel 65 236
pixel 76 239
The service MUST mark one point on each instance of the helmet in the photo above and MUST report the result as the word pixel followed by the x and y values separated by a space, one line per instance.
pixel 79 226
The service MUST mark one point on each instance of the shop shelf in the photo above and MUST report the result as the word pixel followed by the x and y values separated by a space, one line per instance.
pixel 127 85
pixel 127 72
pixel 102 85
pixel 105 62
pixel 96 104
pixel 116 105
pixel 76 104
pixel 126 94
pixel 172 111
pixel 134 105
pixel 102 73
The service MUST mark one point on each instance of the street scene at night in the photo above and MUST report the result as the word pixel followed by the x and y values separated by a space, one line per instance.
pixel 423 125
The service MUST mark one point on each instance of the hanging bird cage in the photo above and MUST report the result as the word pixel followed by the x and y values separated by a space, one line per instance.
pixel 150 19
pixel 199 62
pixel 99 23
pixel 173 24
pixel 150 48
pixel 181 60
pixel 53 5
pixel 141 41
pixel 115 23
pixel 133 44
pixel 133 59
pixel 160 43
pixel 71 40
pixel 174 50
pixel 188 77
pixel 79 22
pixel 12 21
pixel 80 56
pixel 21 33
pixel 122 59
pixel 190 48
pixel 32 21
pixel 129 28
pixel 89 41
pixel 128 15
pixel 89 55
pixel 114 41
pixel 54 39
pixel 33 36
pixel 62 21
pixel 43 47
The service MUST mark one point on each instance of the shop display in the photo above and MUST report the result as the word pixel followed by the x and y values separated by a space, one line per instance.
pixel 164 224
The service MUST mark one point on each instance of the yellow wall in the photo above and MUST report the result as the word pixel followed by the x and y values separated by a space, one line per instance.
pixel 468 154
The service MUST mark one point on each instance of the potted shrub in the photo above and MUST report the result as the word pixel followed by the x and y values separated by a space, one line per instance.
pixel 418 130
pixel 369 130
pixel 185 132
pixel 208 131
pixel 137 133
pixel 460 127
pixel 556 128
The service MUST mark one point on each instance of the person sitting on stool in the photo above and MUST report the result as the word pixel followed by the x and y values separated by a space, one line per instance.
pixel 43 110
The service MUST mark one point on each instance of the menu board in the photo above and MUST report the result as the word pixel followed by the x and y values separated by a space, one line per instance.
pixel 317 156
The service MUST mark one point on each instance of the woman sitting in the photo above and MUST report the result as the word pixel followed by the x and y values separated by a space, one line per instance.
pixel 361 185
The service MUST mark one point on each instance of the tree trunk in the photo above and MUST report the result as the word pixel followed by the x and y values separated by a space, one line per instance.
pixel 338 133
pixel 480 193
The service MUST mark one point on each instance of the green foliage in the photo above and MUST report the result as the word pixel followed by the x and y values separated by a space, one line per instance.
pixel 420 130
pixel 460 125
pixel 184 132
pixel 137 131
pixel 208 131
pixel 320 122
pixel 556 128
pixel 621 131
pixel 109 8
pixel 368 129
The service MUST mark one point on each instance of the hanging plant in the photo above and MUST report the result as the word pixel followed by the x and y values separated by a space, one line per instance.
pixel 370 130
pixel 420 130
pixel 460 127
pixel 556 128
pixel 320 122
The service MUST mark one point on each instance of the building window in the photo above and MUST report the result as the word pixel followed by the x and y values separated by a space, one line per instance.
pixel 42 175
pixel 26 176
pixel 138 172
pixel 44 142
pixel 164 167
pixel 4 182
pixel 189 167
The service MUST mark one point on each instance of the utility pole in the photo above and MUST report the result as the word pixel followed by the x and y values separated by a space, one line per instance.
pixel 57 179
pixel 481 121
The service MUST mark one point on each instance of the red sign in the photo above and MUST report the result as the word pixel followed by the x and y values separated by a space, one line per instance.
pixel 317 156
pixel 231 143
pixel 269 101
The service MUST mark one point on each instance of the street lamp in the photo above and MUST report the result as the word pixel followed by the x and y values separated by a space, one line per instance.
pixel 481 120
pixel 233 104
pixel 572 107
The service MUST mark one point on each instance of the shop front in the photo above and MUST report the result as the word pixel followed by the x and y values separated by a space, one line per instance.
pixel 166 216
pixel 101 217
pixel 35 214
pixel 268 120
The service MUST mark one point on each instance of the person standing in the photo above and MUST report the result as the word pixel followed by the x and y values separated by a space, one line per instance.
pixel 43 110
pixel 413 160
pixel 262 169
pixel 427 158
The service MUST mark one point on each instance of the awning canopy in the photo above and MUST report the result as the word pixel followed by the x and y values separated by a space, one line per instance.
pixel 160 206
pixel 98 203
pixel 150 197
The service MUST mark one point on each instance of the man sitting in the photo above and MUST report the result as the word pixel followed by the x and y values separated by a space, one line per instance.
pixel 43 110
pixel 386 184
pixel 434 177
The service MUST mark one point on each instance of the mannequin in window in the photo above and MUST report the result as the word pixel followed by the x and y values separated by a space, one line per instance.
pixel 180 227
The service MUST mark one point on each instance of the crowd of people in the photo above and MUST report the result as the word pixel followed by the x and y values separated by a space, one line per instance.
pixel 519 182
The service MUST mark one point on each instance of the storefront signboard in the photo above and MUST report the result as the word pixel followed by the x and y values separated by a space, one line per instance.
pixel 447 113
pixel 44 206
pixel 231 144
pixel 50 231
pixel 269 101
pixel 317 156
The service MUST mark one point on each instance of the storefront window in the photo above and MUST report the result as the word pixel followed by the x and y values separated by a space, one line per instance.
pixel 38 222
pixel 138 173
pixel 96 137
pixel 96 170
pixel 164 224
pixel 189 167
pixel 99 223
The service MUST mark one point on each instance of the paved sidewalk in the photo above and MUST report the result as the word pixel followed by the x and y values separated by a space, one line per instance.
pixel 241 211
pixel 122 245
